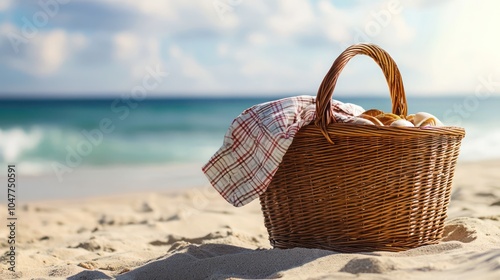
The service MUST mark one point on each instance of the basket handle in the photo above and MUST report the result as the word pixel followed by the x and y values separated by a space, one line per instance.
pixel 324 114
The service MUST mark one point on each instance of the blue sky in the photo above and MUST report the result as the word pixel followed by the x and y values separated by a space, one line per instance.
pixel 238 47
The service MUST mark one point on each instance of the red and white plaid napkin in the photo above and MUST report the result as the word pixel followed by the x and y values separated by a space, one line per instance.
pixel 256 142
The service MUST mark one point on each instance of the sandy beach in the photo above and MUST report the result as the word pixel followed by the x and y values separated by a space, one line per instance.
pixel 192 233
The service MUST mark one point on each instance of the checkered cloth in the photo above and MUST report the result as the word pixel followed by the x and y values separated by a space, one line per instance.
pixel 256 142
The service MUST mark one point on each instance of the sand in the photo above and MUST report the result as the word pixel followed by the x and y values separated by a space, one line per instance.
pixel 194 234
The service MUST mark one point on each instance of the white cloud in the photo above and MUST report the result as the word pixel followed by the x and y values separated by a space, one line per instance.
pixel 334 22
pixel 222 49
pixel 44 54
pixel 425 3
pixel 175 51
pixel 466 46
pixel 164 9
pixel 292 17
pixel 7 28
pixel 257 39
pixel 79 41
pixel 189 66
pixel 179 16
pixel 255 71
pixel 53 51
pixel 403 31
pixel 161 8
pixel 126 45
pixel 150 54
pixel 135 52
pixel 5 5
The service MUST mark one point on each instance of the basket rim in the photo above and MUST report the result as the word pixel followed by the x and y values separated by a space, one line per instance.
pixel 351 129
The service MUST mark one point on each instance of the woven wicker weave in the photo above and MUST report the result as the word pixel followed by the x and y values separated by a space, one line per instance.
pixel 351 188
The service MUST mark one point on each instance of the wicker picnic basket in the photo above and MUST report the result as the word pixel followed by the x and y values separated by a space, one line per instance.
pixel 351 188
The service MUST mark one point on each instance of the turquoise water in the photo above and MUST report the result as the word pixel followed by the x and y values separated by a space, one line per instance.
pixel 39 133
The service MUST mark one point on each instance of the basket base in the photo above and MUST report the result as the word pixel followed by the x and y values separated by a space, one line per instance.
pixel 346 249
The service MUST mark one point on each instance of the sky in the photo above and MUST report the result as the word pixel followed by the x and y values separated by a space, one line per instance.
pixel 243 48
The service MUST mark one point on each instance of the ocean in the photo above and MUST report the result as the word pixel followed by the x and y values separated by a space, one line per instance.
pixel 43 135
